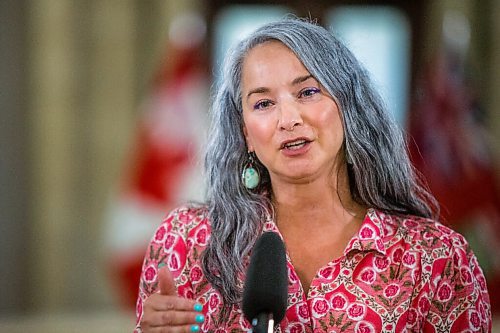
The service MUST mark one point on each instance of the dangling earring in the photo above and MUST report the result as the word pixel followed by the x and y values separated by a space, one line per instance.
pixel 250 176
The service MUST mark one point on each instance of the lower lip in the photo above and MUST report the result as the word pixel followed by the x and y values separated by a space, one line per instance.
pixel 297 151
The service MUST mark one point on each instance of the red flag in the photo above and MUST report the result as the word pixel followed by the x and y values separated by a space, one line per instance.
pixel 164 169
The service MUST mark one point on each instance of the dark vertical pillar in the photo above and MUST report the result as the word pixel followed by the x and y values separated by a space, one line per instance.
pixel 14 161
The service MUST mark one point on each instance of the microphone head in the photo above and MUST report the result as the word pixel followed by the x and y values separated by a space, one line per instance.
pixel 266 283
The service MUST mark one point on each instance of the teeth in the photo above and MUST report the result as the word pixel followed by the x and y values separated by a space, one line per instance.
pixel 295 144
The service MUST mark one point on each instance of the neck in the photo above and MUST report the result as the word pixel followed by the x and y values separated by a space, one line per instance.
pixel 317 202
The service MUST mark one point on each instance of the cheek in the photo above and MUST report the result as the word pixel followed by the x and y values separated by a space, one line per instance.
pixel 258 131
pixel 329 119
pixel 255 136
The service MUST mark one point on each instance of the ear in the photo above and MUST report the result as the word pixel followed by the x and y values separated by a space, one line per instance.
pixel 247 139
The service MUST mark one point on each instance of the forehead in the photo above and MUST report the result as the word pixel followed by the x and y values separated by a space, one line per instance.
pixel 268 49
pixel 271 60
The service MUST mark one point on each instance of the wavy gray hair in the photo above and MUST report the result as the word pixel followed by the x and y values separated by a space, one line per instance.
pixel 379 169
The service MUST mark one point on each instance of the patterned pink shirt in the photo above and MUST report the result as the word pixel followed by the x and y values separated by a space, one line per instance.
pixel 396 275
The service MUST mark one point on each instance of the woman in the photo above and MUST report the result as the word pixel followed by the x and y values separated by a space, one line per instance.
pixel 325 167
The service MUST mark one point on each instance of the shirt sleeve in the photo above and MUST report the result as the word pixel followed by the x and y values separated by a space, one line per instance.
pixel 168 246
pixel 460 302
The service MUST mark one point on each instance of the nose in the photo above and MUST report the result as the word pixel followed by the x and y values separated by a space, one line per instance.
pixel 290 116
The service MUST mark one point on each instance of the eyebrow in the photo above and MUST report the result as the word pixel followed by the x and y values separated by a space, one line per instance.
pixel 301 79
pixel 262 90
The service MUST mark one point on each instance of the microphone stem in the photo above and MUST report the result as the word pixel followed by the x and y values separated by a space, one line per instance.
pixel 270 327
pixel 263 323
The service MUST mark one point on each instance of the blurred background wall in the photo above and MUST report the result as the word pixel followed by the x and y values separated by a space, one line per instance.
pixel 77 82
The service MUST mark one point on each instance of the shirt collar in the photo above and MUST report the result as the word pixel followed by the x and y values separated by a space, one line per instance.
pixel 370 235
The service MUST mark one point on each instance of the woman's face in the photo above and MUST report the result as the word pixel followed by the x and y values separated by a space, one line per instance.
pixel 291 123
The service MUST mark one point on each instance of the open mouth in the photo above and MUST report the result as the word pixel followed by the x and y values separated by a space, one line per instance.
pixel 294 145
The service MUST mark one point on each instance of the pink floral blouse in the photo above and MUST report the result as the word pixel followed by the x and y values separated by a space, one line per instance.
pixel 396 275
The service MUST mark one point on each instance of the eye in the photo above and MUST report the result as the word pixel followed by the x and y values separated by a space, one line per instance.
pixel 263 104
pixel 308 92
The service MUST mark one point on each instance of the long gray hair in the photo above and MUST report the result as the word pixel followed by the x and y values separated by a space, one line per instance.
pixel 379 169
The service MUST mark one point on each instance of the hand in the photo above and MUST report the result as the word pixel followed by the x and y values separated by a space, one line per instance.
pixel 166 312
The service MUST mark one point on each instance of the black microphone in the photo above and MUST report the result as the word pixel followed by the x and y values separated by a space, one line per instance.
pixel 266 285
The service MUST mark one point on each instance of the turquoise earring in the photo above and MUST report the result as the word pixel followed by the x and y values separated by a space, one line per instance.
pixel 250 176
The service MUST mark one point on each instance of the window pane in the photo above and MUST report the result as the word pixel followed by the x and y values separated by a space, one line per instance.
pixel 234 23
pixel 379 36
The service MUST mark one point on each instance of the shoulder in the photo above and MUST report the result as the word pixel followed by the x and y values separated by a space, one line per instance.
pixel 183 230
pixel 443 248
pixel 429 239
pixel 183 220
pixel 187 214
pixel 423 233
pixel 438 246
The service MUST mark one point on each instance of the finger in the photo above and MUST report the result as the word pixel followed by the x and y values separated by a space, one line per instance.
pixel 167 303
pixel 175 329
pixel 166 282
pixel 175 318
